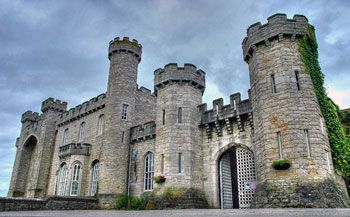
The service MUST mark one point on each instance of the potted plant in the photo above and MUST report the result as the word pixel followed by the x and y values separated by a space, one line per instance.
pixel 282 164
pixel 159 179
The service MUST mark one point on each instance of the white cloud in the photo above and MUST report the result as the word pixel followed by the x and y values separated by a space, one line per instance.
pixel 340 96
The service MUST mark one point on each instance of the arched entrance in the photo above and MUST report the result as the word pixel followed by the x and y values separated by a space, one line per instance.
pixel 237 179
pixel 25 170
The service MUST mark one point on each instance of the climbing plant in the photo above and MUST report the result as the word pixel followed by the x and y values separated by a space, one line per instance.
pixel 340 144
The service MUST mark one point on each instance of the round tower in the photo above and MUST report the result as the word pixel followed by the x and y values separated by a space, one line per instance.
pixel 124 56
pixel 288 124
pixel 178 149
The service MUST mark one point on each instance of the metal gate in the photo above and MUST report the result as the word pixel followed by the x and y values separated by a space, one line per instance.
pixel 237 178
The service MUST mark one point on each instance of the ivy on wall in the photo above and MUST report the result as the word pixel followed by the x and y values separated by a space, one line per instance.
pixel 340 144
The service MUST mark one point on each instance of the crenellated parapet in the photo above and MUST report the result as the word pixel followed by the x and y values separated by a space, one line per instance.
pixel 277 27
pixel 74 149
pixel 143 132
pixel 29 116
pixel 52 104
pixel 224 116
pixel 125 46
pixel 172 73
pixel 82 110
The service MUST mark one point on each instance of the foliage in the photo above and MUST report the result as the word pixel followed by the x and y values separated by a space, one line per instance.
pixel 96 193
pixel 124 202
pixel 281 164
pixel 307 47
pixel 159 179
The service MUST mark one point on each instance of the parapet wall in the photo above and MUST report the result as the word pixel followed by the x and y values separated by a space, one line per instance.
pixel 30 116
pixel 125 46
pixel 277 26
pixel 173 73
pixel 143 132
pixel 82 110
pixel 221 111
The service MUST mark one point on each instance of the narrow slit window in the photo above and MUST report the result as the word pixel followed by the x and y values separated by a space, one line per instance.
pixel 234 105
pixel 297 79
pixel 162 164
pixel 307 142
pixel 179 163
pixel 125 111
pixel 163 117
pixel 217 109
pixel 279 144
pixel 123 137
pixel 179 115
pixel 321 125
pixel 273 84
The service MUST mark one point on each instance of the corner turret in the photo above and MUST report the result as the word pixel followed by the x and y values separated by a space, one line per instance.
pixel 29 116
pixel 52 104
pixel 125 45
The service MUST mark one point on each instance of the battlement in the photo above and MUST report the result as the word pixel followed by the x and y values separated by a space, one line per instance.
pixel 52 104
pixel 83 109
pixel 277 27
pixel 29 116
pixel 221 112
pixel 143 132
pixel 173 73
pixel 124 45
pixel 145 91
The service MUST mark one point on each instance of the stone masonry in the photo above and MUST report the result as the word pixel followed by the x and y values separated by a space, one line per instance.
pixel 117 142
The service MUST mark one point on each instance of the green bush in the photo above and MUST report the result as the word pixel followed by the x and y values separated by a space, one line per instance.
pixel 281 164
pixel 122 202
pixel 159 179
pixel 135 203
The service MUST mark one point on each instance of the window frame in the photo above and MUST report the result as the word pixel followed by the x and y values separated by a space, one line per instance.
pixel 148 172
pixel 62 180
pixel 273 83
pixel 125 110
pixel 179 115
pixel 82 129
pixel 65 136
pixel 75 180
pixel 100 124
pixel 95 176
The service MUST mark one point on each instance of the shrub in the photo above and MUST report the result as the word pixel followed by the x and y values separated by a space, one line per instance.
pixel 281 164
pixel 122 202
pixel 159 179
pixel 135 203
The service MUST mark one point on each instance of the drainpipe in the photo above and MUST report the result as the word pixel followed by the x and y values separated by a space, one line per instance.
pixel 129 168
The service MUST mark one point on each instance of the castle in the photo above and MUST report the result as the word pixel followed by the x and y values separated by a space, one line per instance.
pixel 117 142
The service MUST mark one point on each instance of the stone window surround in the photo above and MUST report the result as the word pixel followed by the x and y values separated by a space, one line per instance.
pixel 148 171
pixel 125 108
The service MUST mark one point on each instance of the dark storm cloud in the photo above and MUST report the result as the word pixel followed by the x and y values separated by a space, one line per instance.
pixel 59 48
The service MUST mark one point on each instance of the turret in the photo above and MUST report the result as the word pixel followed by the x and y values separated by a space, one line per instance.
pixel 179 93
pixel 29 116
pixel 124 56
pixel 288 124
pixel 52 104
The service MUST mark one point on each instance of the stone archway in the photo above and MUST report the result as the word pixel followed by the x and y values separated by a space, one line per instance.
pixel 25 171
pixel 236 174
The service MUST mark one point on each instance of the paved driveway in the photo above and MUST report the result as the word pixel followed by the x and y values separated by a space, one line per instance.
pixel 189 213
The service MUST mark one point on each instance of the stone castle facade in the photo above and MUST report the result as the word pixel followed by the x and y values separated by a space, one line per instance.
pixel 118 141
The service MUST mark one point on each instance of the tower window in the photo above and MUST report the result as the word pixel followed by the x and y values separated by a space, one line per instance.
pixel 273 84
pixel 163 117
pixel 217 109
pixel 65 137
pixel 234 105
pixel 75 180
pixel 149 171
pixel 321 125
pixel 123 137
pixel 82 132
pixel 307 142
pixel 179 115
pixel 162 164
pixel 279 144
pixel 125 111
pixel 179 163
pixel 100 124
pixel 297 79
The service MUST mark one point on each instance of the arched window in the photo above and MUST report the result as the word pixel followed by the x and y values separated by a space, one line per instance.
pixel 62 177
pixel 149 171
pixel 81 132
pixel 100 124
pixel 75 180
pixel 65 137
pixel 95 172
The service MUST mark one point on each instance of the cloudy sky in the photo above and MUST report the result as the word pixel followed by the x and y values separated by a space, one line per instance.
pixel 59 49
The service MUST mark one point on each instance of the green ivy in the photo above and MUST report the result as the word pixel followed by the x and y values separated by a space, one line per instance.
pixel 340 144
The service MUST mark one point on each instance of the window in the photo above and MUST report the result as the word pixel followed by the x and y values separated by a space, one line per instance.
pixel 273 84
pixel 321 125
pixel 234 105
pixel 163 116
pixel 179 163
pixel 62 176
pixel 149 171
pixel 125 112
pixel 179 115
pixel 217 109
pixel 65 137
pixel 123 137
pixel 297 79
pixel 307 142
pixel 162 164
pixel 81 132
pixel 279 144
pixel 100 124
pixel 95 173
pixel 75 180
